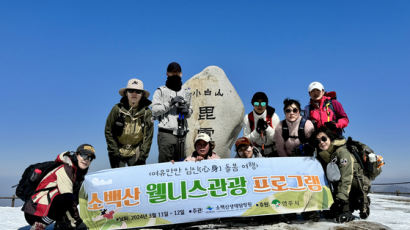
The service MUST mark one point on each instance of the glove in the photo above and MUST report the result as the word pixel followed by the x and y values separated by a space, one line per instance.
pixel 261 125
pixel 183 109
pixel 81 226
pixel 339 206
pixel 308 149
pixel 331 125
pixel 344 217
pixel 177 99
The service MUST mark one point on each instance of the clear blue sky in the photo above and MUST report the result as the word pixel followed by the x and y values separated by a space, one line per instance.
pixel 63 62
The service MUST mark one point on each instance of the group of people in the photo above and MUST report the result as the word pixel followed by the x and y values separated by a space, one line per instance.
pixel 129 128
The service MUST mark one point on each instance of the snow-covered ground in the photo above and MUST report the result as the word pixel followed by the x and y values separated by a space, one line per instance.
pixel 390 211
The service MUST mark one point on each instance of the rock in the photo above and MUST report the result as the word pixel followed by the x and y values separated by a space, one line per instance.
pixel 217 110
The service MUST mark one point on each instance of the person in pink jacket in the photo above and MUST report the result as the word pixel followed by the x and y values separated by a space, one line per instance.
pixel 325 110
pixel 292 134
pixel 203 149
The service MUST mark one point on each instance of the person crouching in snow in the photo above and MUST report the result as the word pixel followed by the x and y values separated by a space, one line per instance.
pixel 56 198
pixel 203 149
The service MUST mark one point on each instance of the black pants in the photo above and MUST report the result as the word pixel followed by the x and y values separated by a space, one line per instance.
pixel 60 205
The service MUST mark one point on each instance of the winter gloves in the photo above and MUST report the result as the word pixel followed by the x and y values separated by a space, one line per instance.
pixel 261 126
pixel 340 209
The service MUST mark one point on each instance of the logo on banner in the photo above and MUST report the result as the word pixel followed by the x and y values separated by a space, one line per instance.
pixel 276 203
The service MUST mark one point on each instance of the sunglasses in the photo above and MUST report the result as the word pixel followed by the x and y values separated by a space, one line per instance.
pixel 137 91
pixel 256 103
pixel 290 110
pixel 87 157
pixel 322 139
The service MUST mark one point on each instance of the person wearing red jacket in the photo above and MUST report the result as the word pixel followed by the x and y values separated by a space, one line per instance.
pixel 56 196
pixel 325 110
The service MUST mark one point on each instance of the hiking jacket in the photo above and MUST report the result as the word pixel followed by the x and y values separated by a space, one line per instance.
pixel 287 149
pixel 320 113
pixel 166 114
pixel 347 164
pixel 60 179
pixel 212 157
pixel 135 136
pixel 254 136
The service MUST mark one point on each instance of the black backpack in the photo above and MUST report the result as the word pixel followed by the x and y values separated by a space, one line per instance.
pixel 32 177
pixel 361 153
pixel 301 131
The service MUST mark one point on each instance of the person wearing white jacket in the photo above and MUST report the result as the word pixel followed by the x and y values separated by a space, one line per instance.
pixel 171 105
pixel 259 125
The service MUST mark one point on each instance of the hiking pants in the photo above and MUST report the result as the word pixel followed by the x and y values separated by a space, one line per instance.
pixel 167 146
pixel 60 205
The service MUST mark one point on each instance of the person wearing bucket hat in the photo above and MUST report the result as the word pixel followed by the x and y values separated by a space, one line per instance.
pixel 324 110
pixel 129 127
pixel 203 149
pixel 259 125
pixel 56 196
pixel 245 149
pixel 171 106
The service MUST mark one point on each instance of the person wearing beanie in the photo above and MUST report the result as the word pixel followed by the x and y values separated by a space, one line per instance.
pixel 171 106
pixel 203 149
pixel 129 127
pixel 325 110
pixel 245 149
pixel 259 125
pixel 56 196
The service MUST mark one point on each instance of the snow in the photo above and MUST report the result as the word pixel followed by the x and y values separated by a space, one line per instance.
pixel 387 210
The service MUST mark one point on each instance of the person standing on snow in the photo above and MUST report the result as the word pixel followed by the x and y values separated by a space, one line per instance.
pixel 171 106
pixel 259 125
pixel 325 110
pixel 129 127
pixel 56 196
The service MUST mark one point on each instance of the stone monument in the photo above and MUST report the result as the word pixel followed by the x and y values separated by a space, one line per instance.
pixel 217 110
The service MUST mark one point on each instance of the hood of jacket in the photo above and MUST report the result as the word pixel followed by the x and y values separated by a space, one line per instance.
pixel 326 155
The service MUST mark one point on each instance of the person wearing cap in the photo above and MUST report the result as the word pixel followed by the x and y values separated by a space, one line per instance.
pixel 325 110
pixel 259 125
pixel 171 106
pixel 203 149
pixel 129 127
pixel 245 149
pixel 292 134
pixel 56 196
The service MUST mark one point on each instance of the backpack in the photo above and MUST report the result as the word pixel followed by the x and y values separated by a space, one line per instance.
pixel 31 178
pixel 301 131
pixel 327 103
pixel 269 114
pixel 370 163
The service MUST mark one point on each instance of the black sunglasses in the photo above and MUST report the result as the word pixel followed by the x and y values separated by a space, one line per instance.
pixel 86 157
pixel 137 91
pixel 290 110
pixel 322 139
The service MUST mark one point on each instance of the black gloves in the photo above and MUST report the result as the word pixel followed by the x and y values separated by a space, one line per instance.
pixel 177 99
pixel 331 125
pixel 261 125
pixel 80 226
pixel 308 149
pixel 339 205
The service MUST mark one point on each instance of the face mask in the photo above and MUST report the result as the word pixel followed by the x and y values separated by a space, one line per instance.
pixel 174 82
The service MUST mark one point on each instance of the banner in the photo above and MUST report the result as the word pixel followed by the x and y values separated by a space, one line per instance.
pixel 166 193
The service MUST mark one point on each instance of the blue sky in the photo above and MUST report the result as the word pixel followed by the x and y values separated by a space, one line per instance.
pixel 63 62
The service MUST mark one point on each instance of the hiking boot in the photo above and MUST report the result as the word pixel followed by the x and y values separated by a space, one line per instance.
pixel 38 226
pixel 344 217
pixel 365 210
